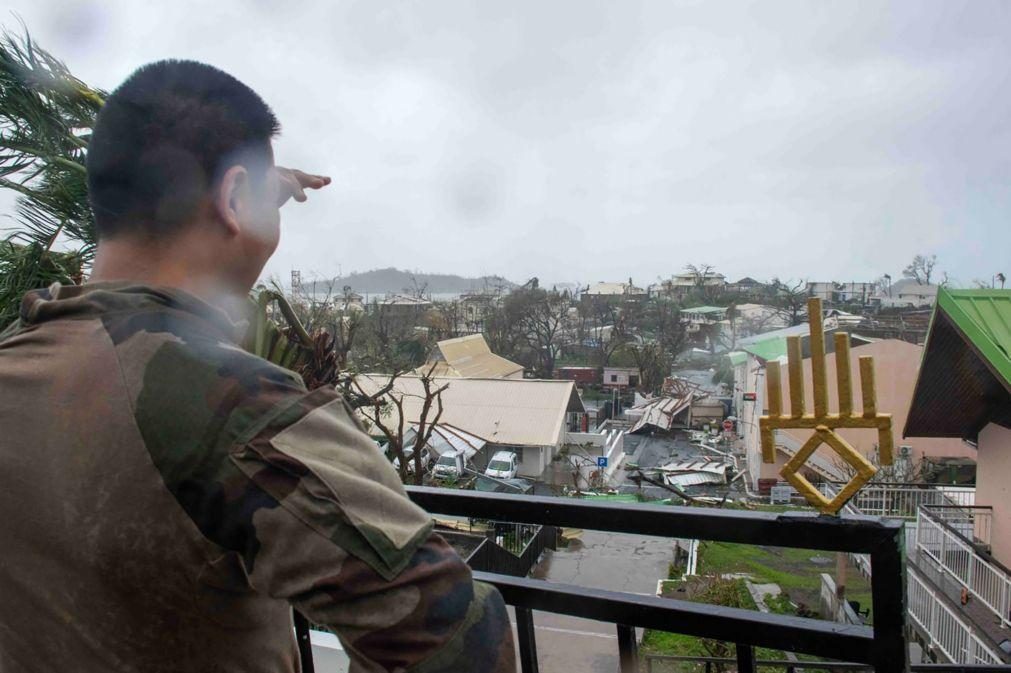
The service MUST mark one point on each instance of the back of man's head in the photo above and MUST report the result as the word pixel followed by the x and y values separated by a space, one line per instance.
pixel 163 140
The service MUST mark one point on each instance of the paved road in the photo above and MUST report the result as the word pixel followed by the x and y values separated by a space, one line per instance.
pixel 631 563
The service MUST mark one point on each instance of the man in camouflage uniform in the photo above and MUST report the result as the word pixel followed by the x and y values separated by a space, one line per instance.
pixel 166 496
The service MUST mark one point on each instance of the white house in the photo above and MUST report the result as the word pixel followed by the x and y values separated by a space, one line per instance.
pixel 528 416
pixel 906 293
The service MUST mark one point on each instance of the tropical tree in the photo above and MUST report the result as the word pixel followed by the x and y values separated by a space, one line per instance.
pixel 46 118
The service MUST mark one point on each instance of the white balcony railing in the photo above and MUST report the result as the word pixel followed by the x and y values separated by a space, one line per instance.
pixel 956 557
pixel 902 500
pixel 946 630
pixel 941 526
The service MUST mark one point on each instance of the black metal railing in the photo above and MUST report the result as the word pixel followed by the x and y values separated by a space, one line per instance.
pixel 882 646
pixel 654 664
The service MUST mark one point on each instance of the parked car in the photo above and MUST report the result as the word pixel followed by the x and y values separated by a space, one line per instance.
pixel 503 465
pixel 449 466
pixel 426 460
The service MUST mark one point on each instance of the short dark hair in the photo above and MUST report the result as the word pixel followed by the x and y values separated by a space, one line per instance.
pixel 162 141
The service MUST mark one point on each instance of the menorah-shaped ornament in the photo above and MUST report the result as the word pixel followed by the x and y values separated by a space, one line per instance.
pixel 821 421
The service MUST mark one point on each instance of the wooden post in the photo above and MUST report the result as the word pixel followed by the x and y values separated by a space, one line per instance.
pixel 841 567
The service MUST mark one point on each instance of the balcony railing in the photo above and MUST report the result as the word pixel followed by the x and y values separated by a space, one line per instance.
pixel 902 500
pixel 945 628
pixel 882 646
pixel 971 522
pixel 951 549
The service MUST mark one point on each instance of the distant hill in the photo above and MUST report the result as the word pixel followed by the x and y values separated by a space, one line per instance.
pixel 391 281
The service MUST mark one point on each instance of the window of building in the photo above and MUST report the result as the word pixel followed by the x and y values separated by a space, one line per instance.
pixel 614 378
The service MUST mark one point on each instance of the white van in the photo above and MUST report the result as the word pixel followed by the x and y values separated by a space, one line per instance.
pixel 449 466
pixel 503 465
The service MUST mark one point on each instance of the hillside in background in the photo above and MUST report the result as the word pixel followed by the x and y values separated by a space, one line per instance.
pixel 391 281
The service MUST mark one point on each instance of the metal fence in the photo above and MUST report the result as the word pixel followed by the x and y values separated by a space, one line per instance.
pixel 945 628
pixel 664 663
pixel 973 522
pixel 956 557
pixel 882 646
pixel 901 500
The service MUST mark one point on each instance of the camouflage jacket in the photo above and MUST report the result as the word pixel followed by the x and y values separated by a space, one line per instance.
pixel 168 497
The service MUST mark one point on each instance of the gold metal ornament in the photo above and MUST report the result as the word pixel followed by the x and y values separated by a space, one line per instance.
pixel 821 421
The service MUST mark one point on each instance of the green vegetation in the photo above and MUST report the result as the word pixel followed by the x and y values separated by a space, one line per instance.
pixel 594 394
pixel 711 590
pixel 792 569
pixel 779 604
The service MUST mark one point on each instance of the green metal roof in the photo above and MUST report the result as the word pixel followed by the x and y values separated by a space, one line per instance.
pixel 964 381
pixel 610 497
pixel 705 309
pixel 770 349
pixel 737 358
pixel 984 316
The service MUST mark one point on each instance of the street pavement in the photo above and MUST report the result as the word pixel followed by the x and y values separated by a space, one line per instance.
pixel 617 562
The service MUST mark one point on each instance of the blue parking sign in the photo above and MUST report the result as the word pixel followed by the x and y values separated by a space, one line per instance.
pixel 601 461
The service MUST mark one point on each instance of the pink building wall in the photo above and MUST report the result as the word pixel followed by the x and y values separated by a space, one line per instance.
pixel 993 486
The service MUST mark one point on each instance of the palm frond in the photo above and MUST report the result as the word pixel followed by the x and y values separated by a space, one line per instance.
pixel 46 118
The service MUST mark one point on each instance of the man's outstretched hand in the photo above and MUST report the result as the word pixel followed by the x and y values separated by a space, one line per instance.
pixel 293 183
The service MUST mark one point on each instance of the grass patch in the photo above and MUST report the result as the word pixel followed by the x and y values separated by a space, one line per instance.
pixel 792 569
pixel 733 593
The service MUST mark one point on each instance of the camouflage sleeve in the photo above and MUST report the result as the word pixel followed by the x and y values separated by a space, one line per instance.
pixel 347 547
pixel 305 504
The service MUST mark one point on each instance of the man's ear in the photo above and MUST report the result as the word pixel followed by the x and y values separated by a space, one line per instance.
pixel 231 198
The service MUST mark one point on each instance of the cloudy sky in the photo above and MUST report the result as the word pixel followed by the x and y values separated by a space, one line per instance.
pixel 583 141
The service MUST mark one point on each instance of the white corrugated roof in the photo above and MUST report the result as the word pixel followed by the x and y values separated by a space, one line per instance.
pixel 445 438
pixel 695 471
pixel 612 289
pixel 694 478
pixel 659 412
pixel 469 357
pixel 525 412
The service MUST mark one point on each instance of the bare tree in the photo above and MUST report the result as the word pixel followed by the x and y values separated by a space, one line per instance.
pixel 790 299
pixel 418 289
pixel 445 320
pixel 384 410
pixel 921 269
pixel 607 330
pixel 528 327
pixel 542 325
pixel 655 338
pixel 700 274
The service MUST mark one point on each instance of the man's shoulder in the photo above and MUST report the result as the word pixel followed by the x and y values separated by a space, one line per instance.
pixel 191 384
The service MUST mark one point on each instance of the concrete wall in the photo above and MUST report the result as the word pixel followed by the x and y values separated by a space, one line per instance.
pixel 993 486
pixel 533 462
pixel 620 374
pixel 750 378
pixel 831 607
pixel 596 439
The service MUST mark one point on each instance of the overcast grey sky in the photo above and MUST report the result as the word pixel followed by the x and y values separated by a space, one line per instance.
pixel 597 141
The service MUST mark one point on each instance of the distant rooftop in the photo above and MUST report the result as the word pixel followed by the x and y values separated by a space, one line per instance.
pixel 469 357
pixel 613 289
pixel 705 309
pixel 772 345
pixel 523 412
